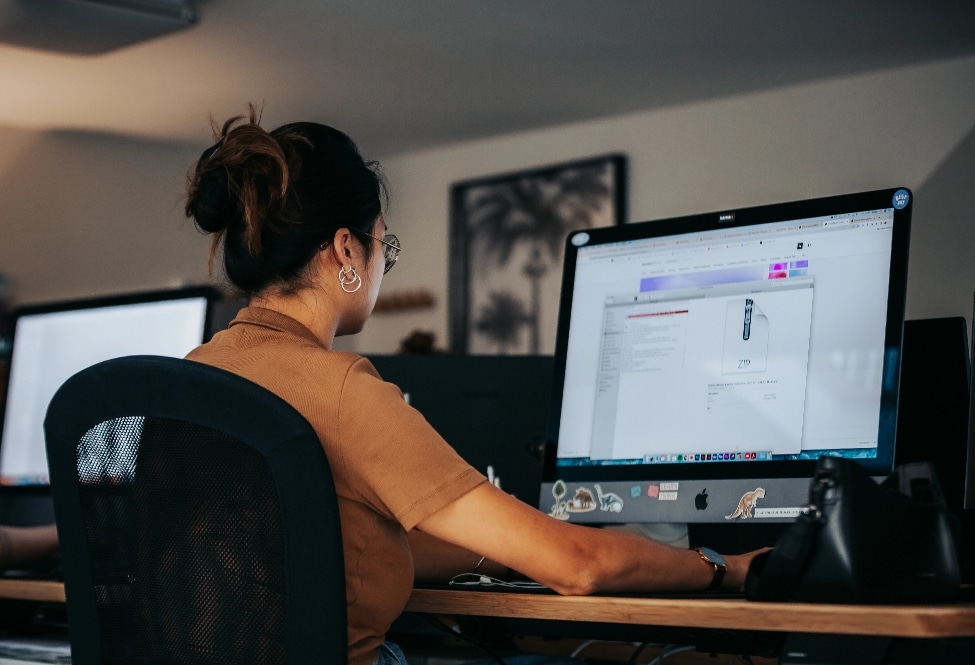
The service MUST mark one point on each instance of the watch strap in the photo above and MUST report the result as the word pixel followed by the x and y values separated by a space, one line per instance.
pixel 718 568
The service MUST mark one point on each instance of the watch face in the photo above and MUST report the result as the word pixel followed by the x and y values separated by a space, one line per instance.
pixel 712 556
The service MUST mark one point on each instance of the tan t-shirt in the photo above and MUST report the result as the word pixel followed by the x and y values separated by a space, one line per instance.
pixel 391 468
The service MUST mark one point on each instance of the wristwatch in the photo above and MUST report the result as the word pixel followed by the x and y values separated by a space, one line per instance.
pixel 717 563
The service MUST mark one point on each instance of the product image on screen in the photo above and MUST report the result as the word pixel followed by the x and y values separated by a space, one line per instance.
pixel 704 363
pixel 52 342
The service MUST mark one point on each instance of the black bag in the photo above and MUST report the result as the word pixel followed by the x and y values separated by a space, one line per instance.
pixel 862 542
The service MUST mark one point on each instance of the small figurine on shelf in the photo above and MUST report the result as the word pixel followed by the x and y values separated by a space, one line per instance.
pixel 420 342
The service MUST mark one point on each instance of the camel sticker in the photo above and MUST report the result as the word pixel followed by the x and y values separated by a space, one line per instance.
pixel 583 500
pixel 747 504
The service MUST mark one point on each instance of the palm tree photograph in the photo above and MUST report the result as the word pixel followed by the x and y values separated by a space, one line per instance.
pixel 507 242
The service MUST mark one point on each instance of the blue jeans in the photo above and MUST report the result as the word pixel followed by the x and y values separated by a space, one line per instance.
pixel 391 654
pixel 534 659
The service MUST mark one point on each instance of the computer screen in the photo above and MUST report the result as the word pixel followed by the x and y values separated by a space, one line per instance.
pixel 704 363
pixel 51 342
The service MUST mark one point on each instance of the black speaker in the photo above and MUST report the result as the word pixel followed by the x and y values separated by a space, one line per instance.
pixel 933 415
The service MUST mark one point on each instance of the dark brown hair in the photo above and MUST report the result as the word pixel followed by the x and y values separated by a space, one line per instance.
pixel 273 199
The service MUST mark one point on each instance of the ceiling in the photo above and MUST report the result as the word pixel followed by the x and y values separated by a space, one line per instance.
pixel 402 75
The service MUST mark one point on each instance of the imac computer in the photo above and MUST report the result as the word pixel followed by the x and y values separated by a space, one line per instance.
pixel 704 363
pixel 53 341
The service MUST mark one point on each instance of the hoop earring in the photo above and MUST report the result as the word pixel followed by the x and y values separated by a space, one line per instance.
pixel 348 278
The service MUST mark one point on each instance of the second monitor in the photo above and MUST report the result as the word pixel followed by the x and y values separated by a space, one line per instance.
pixel 491 409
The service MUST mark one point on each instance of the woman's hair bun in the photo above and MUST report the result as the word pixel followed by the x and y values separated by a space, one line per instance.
pixel 270 199
pixel 211 205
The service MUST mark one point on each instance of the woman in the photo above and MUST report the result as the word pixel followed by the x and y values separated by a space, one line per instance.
pixel 297 214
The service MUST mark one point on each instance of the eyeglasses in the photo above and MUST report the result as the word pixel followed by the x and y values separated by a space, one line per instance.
pixel 390 251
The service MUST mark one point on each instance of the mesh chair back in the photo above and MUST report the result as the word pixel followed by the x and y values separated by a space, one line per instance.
pixel 197 519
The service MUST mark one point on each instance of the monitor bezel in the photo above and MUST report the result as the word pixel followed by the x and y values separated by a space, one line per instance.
pixel 731 218
pixel 210 293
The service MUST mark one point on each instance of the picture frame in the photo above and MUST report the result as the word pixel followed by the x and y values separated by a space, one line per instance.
pixel 507 242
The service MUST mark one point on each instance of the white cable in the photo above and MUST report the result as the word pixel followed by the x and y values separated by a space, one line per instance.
pixel 579 648
pixel 588 643
pixel 670 651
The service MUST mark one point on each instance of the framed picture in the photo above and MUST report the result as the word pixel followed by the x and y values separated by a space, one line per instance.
pixel 507 240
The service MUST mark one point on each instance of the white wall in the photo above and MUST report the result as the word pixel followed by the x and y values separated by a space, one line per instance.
pixel 894 128
pixel 83 215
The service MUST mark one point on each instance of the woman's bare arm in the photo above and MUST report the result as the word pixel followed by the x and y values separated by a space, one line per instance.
pixel 568 558
pixel 435 560
pixel 24 544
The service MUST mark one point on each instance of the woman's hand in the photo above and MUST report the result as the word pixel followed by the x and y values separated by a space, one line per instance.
pixel 738 565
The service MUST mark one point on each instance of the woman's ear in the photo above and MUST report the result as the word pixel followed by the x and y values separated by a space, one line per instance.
pixel 342 247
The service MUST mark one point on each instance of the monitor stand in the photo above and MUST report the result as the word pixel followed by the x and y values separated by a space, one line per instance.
pixel 737 538
pixel 669 534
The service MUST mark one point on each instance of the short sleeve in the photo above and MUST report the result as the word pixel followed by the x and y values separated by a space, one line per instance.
pixel 394 459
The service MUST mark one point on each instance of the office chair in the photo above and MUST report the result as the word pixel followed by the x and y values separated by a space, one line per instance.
pixel 197 519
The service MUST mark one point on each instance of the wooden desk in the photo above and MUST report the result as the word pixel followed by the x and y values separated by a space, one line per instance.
pixel 876 624
pixel 929 621
pixel 799 633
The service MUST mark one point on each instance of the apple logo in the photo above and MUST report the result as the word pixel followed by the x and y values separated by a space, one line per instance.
pixel 701 500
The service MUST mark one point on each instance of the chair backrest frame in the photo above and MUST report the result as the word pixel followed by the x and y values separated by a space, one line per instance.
pixel 187 391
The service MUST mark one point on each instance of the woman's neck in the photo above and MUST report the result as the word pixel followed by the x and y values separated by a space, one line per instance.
pixel 309 307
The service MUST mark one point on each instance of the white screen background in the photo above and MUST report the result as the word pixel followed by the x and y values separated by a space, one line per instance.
pixel 51 347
